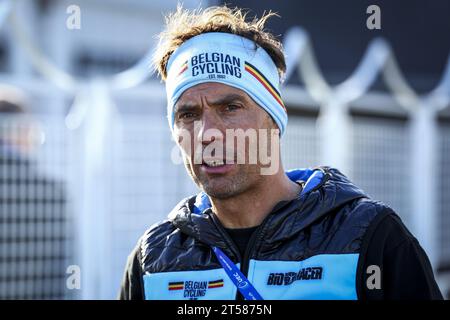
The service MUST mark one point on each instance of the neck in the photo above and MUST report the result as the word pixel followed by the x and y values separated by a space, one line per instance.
pixel 251 207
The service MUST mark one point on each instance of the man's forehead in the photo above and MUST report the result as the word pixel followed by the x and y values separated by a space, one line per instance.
pixel 215 93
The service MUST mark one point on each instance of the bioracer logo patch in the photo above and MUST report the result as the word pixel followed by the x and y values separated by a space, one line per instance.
pixel 287 278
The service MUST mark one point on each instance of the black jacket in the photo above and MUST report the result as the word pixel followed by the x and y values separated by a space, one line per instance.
pixel 332 242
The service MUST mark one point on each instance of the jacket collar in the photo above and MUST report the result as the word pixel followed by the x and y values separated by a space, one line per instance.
pixel 325 189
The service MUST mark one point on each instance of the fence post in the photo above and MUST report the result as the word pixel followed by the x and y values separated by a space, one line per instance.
pixel 334 127
pixel 92 189
pixel 424 168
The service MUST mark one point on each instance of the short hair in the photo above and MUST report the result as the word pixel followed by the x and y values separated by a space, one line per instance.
pixel 184 24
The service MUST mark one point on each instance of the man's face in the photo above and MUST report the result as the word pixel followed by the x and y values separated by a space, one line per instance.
pixel 205 112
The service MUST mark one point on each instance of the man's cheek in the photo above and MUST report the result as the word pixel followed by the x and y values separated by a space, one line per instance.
pixel 184 141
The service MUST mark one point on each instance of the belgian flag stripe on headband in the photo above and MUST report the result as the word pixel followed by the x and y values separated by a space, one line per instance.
pixel 183 68
pixel 176 285
pixel 263 80
pixel 215 284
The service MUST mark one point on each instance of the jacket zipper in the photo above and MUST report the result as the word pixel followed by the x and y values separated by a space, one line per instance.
pixel 243 260
pixel 221 229
pixel 250 248
pixel 248 251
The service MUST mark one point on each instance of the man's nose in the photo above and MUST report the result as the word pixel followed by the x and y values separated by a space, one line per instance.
pixel 211 128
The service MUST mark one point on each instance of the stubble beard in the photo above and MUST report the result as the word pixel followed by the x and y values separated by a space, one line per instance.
pixel 224 187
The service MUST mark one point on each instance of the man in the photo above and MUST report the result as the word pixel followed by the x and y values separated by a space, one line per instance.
pixel 32 209
pixel 256 232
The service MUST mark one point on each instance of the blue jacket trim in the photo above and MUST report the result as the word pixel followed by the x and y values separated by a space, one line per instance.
pixel 312 178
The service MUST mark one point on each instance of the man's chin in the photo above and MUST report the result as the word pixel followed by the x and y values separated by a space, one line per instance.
pixel 219 187
pixel 222 186
pixel 220 194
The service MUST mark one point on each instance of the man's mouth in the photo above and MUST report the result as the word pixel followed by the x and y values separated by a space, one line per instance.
pixel 213 163
pixel 216 166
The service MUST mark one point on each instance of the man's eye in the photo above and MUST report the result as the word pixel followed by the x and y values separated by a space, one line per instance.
pixel 187 115
pixel 232 107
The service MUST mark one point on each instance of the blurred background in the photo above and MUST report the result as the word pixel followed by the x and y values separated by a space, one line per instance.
pixel 87 161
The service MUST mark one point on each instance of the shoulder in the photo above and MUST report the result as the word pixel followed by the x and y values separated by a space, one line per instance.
pixel 385 233
pixel 153 237
pixel 165 237
pixel 353 224
pixel 403 264
pixel 365 212
pixel 156 234
pixel 380 220
pixel 389 229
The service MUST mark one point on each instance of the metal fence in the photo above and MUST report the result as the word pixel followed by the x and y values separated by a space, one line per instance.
pixel 50 220
pixel 104 172
pixel 35 225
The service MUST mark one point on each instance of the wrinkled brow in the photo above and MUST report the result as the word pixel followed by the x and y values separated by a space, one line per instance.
pixel 229 98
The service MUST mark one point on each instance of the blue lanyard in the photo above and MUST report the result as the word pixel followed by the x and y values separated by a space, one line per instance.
pixel 237 277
